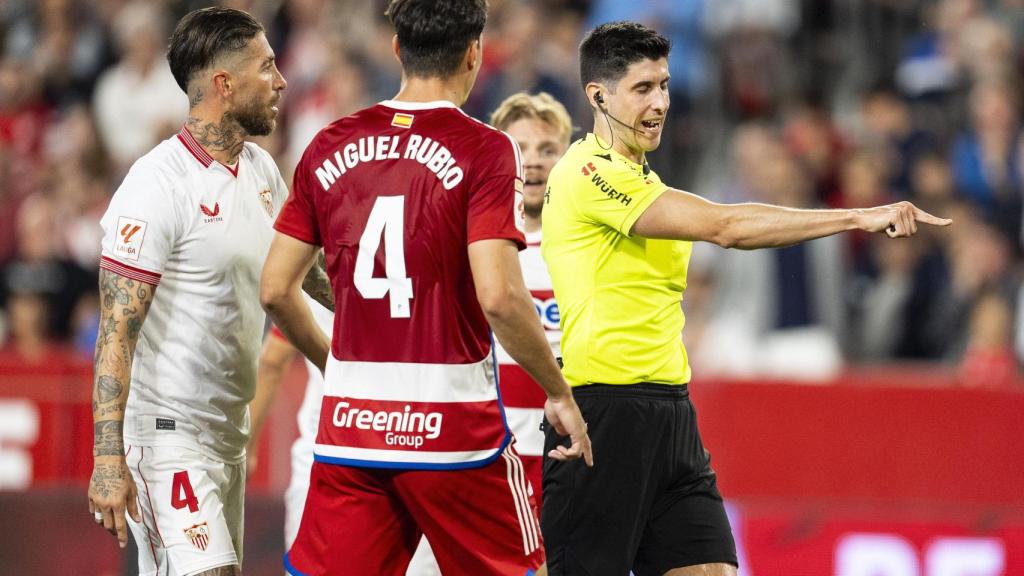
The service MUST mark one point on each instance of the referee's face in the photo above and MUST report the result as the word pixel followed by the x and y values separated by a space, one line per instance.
pixel 641 101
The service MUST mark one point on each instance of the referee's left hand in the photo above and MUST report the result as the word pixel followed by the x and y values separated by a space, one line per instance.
pixel 563 413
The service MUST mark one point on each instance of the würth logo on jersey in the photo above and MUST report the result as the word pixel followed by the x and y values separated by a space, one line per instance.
pixel 131 233
pixel 401 427
pixel 199 535
pixel 212 214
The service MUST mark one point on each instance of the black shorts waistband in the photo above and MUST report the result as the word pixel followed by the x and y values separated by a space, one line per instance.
pixel 640 390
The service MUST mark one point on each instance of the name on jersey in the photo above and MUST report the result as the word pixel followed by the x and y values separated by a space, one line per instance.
pixel 610 190
pixel 423 149
pixel 401 428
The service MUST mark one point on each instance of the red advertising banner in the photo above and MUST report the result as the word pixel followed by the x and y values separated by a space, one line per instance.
pixel 820 542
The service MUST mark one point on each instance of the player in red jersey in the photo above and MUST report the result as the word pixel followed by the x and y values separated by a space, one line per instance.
pixel 419 210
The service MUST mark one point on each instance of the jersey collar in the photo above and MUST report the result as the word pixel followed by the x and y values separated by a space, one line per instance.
pixel 403 105
pixel 594 141
pixel 199 153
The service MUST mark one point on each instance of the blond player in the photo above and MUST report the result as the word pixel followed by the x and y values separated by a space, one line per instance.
pixel 541 127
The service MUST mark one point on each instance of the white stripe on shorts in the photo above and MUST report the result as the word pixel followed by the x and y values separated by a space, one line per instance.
pixel 517 484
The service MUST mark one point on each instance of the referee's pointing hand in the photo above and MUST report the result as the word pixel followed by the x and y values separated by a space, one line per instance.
pixel 897 220
pixel 563 413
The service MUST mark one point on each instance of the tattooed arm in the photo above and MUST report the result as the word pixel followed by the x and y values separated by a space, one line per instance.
pixel 123 306
pixel 287 263
pixel 317 284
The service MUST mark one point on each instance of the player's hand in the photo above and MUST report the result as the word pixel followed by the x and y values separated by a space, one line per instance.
pixel 897 220
pixel 564 415
pixel 111 492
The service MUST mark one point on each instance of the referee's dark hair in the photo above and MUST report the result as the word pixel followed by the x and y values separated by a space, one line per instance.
pixel 433 35
pixel 608 50
pixel 204 35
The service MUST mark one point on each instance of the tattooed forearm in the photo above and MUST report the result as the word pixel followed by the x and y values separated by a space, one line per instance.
pixel 109 397
pixel 124 304
pixel 107 479
pixel 226 136
pixel 108 438
pixel 318 285
pixel 108 388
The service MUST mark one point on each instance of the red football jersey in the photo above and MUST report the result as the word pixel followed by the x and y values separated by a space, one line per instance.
pixel 455 180
pixel 395 193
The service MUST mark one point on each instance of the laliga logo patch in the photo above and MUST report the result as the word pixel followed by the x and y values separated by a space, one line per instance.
pixel 268 202
pixel 199 535
pixel 131 232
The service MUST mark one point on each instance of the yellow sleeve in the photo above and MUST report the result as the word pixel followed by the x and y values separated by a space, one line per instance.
pixel 613 194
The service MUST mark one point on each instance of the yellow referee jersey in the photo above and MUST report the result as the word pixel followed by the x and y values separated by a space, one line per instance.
pixel 619 296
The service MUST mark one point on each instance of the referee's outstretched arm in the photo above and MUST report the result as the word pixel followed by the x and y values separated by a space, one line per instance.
pixel 684 216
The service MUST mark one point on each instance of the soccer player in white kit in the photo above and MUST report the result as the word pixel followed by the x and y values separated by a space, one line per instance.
pixel 175 367
pixel 541 127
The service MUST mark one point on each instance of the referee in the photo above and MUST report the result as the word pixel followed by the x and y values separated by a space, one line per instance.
pixel 617 242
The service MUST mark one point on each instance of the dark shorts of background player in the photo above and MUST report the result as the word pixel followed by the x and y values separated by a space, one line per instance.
pixel 649 504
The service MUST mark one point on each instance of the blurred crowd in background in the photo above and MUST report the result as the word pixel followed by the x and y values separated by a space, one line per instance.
pixel 805 103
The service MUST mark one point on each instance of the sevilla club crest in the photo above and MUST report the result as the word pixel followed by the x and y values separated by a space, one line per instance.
pixel 268 202
pixel 199 535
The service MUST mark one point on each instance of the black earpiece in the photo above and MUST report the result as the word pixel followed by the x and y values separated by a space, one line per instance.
pixel 598 98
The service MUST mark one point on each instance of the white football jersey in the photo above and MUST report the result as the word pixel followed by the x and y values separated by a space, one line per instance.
pixel 199 231
pixel 522 397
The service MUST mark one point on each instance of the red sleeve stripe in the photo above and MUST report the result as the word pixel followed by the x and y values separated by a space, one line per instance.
pixel 190 143
pixel 276 332
pixel 111 265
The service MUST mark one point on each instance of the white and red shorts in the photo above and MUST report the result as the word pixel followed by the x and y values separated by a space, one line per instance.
pixel 369 520
pixel 191 507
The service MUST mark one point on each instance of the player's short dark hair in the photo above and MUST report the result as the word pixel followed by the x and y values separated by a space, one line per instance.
pixel 204 35
pixel 433 35
pixel 608 50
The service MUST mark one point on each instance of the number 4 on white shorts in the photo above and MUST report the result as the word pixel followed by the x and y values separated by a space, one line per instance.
pixel 387 221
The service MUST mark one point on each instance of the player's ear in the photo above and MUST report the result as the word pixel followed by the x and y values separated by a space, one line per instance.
pixel 596 95
pixel 473 54
pixel 396 49
pixel 222 82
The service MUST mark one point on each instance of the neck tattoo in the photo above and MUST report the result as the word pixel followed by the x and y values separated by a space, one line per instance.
pixel 223 140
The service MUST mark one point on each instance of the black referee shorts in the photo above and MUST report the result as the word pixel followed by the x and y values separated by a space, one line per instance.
pixel 649 504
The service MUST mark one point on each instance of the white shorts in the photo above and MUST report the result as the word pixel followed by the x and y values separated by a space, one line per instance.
pixel 422 563
pixel 191 507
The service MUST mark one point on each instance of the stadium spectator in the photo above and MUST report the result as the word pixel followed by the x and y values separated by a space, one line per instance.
pixel 987 159
pixel 66 43
pixel 800 303
pixel 989 361
pixel 156 108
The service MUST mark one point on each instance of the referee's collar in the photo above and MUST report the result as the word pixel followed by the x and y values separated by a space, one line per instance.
pixel 595 140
